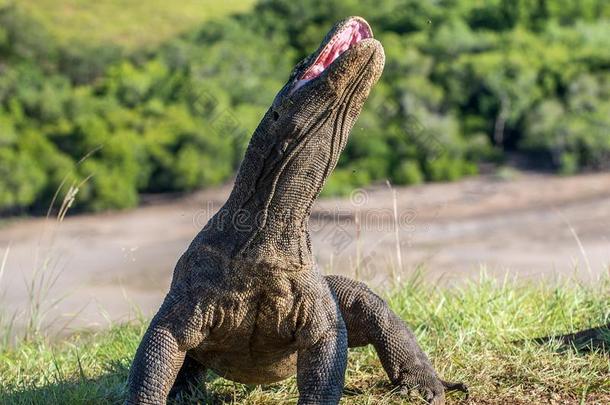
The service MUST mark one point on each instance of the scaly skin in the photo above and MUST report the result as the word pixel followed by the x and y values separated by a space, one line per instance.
pixel 246 299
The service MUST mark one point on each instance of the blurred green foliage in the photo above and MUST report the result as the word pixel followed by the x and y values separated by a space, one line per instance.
pixel 465 82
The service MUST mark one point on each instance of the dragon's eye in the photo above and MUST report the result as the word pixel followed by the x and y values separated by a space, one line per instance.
pixel 276 116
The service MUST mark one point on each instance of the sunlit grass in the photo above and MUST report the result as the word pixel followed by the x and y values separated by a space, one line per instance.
pixel 129 23
pixel 479 334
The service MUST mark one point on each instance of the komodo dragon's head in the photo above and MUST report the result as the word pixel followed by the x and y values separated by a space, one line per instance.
pixel 298 142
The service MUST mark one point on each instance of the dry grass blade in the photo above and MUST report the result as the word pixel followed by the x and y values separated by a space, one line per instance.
pixel 4 261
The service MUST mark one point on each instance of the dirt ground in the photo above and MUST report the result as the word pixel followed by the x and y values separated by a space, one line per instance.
pixel 110 266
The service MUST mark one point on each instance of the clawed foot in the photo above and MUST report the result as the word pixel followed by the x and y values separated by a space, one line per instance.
pixel 431 388
pixel 455 386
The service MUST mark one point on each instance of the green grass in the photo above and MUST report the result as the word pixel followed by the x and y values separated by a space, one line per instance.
pixel 470 334
pixel 130 23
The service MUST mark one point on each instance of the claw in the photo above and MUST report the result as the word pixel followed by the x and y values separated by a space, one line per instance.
pixel 432 396
pixel 435 396
pixel 455 386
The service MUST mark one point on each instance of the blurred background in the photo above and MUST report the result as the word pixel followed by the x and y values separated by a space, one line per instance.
pixel 486 143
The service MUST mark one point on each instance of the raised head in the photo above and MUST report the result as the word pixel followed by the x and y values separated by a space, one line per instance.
pixel 299 140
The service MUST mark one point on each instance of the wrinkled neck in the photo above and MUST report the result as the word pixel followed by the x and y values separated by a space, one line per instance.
pixel 267 212
pixel 280 177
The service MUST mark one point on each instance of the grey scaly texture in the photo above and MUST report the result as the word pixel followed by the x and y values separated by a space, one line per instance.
pixel 246 299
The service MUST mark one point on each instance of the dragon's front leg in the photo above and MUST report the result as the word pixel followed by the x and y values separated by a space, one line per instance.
pixel 175 329
pixel 369 320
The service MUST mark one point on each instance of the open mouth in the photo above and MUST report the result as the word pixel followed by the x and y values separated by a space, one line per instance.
pixel 353 32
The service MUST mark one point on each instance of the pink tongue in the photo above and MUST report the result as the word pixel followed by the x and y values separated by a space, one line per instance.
pixel 350 35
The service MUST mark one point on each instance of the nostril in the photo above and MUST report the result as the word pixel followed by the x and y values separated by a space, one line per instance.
pixel 276 116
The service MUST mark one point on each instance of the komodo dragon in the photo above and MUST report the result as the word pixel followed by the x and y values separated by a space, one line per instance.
pixel 246 299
